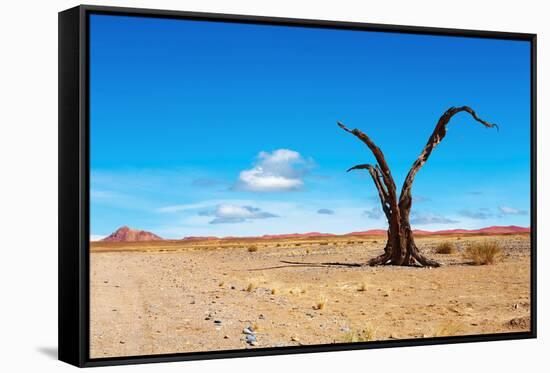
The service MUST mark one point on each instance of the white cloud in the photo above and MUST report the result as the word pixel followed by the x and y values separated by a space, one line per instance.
pixel 96 237
pixel 226 213
pixel 506 210
pixel 185 207
pixel 429 218
pixel 279 171
pixel 373 213
pixel 325 212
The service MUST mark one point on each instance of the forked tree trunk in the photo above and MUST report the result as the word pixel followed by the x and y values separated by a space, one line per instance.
pixel 400 248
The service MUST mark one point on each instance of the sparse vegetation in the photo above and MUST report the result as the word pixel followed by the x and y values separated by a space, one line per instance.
pixel 252 249
pixel 251 287
pixel 320 305
pixel 445 247
pixel 323 244
pixel 482 253
pixel 362 286
pixel 354 336
pixel 274 291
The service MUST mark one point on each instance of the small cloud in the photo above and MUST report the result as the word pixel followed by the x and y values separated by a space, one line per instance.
pixel 279 171
pixel 506 210
pixel 179 208
pixel 373 213
pixel 325 212
pixel 420 199
pixel 429 218
pixel 226 214
pixel 480 214
pixel 475 192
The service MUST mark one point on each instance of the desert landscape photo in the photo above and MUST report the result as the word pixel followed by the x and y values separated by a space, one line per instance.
pixel 261 186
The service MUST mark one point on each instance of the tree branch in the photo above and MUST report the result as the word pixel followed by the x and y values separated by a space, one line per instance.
pixel 376 177
pixel 437 136
pixel 385 170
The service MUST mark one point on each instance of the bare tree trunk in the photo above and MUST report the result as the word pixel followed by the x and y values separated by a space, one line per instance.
pixel 400 247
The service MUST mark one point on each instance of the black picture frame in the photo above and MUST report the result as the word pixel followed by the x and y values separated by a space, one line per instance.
pixel 73 250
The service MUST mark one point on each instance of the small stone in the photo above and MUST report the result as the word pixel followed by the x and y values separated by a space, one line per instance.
pixel 261 317
pixel 217 322
pixel 250 338
pixel 225 337
pixel 248 330
pixel 232 287
pixel 294 339
pixel 254 343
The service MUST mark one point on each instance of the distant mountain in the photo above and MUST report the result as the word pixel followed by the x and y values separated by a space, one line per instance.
pixel 126 234
pixel 200 238
pixel 296 235
pixel 370 232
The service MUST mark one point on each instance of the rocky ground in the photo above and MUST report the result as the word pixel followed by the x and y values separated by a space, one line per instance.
pixel 173 296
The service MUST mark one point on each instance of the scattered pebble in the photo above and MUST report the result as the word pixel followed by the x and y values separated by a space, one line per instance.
pixel 250 338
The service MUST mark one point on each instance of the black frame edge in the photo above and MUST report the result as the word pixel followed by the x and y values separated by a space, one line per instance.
pixel 70 251
pixel 306 22
pixel 74 185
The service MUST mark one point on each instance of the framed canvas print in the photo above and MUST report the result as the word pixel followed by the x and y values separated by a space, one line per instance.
pixel 233 186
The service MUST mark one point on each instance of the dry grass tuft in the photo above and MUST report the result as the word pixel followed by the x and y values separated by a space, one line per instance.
pixel 365 335
pixel 251 287
pixel 448 328
pixel 482 253
pixel 362 286
pixel 320 305
pixel 445 248
pixel 252 249
pixel 274 291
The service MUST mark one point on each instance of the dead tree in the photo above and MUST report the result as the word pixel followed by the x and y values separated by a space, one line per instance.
pixel 400 248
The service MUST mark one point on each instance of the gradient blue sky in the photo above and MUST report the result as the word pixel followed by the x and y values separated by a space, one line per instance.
pixel 204 128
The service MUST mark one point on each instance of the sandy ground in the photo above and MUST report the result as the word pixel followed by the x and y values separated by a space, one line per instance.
pixel 167 297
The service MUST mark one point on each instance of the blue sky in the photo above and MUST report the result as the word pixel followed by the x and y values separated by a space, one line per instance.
pixel 204 128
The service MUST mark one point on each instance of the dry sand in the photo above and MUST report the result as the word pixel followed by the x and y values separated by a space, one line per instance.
pixel 175 296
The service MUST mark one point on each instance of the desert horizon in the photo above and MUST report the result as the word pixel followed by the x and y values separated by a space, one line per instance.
pixel 127 234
